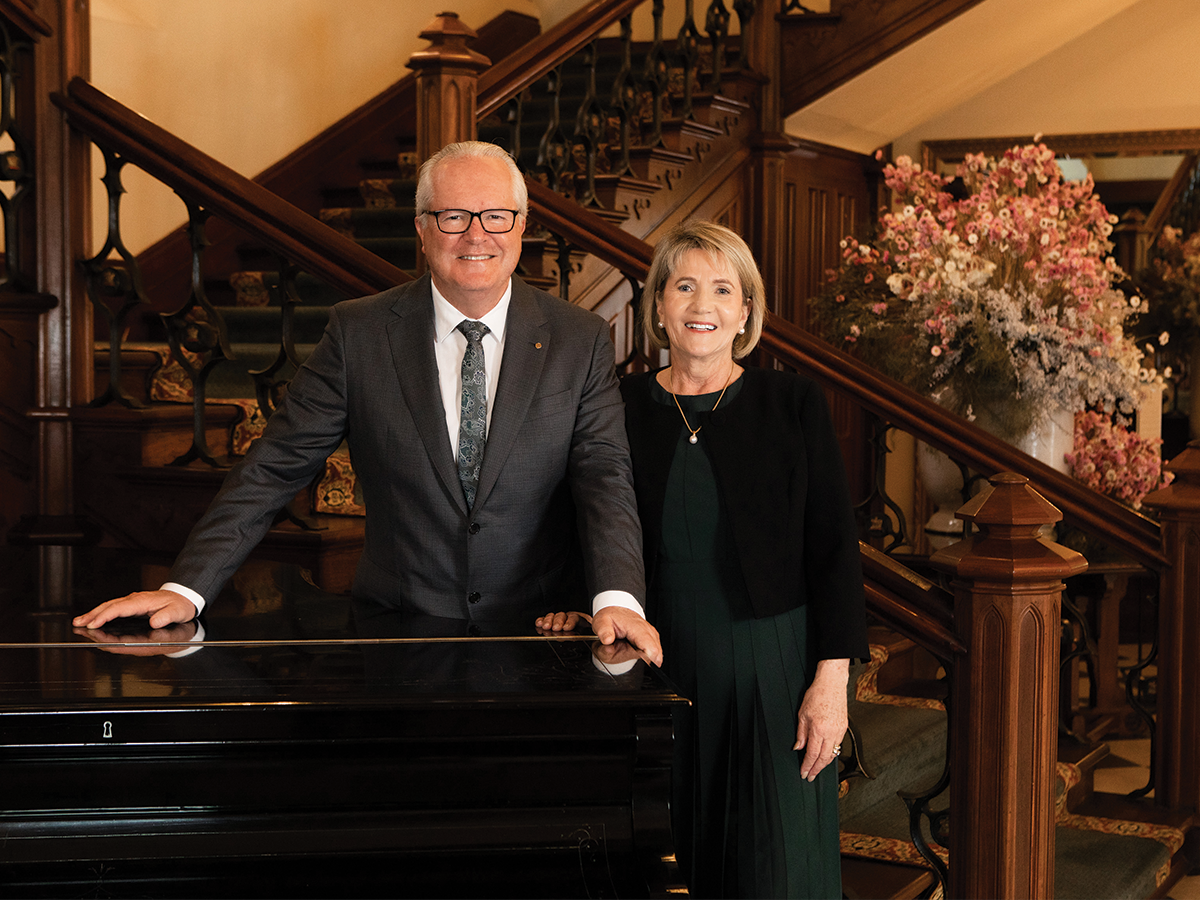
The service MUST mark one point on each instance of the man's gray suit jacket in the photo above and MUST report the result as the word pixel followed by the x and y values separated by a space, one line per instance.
pixel 555 518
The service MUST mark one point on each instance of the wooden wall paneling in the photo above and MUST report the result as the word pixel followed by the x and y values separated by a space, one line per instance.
pixel 63 214
pixel 19 314
pixel 827 194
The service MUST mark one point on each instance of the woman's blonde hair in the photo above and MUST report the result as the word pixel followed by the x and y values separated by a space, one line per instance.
pixel 719 243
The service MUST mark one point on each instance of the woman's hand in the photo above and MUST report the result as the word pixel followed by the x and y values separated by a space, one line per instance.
pixel 558 622
pixel 822 720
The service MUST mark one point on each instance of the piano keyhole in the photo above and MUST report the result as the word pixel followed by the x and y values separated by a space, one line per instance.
pixel 108 729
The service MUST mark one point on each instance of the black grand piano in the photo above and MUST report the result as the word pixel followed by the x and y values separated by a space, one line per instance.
pixel 298 743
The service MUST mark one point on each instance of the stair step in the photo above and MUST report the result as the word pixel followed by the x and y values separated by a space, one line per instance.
pixel 870 879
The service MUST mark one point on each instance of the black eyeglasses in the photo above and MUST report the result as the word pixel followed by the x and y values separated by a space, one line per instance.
pixel 457 221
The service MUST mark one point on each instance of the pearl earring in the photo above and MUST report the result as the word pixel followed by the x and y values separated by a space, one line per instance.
pixel 661 325
pixel 741 330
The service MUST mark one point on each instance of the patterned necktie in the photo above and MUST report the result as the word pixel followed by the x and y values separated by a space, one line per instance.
pixel 472 426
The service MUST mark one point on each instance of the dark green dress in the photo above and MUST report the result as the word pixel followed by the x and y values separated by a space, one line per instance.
pixel 745 823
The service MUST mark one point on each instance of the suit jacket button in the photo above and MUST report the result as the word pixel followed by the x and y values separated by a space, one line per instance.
pixel 473 528
pixel 473 597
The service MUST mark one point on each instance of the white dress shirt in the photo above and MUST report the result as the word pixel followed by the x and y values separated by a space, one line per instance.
pixel 449 347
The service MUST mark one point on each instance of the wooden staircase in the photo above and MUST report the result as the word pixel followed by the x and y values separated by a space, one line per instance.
pixel 1107 845
pixel 699 171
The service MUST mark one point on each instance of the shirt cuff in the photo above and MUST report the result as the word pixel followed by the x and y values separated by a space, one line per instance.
pixel 197 639
pixel 197 600
pixel 616 598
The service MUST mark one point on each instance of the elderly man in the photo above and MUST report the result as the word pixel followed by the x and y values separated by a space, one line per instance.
pixel 485 426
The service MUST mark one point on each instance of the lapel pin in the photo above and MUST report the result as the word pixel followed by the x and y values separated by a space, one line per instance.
pixel 538 345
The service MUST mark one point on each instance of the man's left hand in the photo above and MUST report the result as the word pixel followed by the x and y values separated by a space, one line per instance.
pixel 618 622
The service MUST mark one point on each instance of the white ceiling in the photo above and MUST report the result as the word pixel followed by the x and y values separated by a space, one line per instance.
pixel 1014 67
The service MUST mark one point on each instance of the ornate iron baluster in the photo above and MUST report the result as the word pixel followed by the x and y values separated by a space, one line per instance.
pixel 564 268
pixel 716 24
pixel 198 328
pixel 744 10
pixel 918 801
pixel 554 149
pixel 514 113
pixel 1133 696
pixel 687 46
pixel 624 100
pixel 589 130
pixel 15 164
pixel 638 352
pixel 268 389
pixel 657 76
pixel 104 279
pixel 881 527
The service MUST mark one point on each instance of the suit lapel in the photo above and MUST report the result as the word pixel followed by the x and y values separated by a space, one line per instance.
pixel 410 337
pixel 526 343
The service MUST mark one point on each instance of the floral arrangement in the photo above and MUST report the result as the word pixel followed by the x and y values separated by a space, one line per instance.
pixel 1171 286
pixel 990 290
pixel 1115 461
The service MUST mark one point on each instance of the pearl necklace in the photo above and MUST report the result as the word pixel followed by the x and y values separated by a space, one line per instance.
pixel 688 425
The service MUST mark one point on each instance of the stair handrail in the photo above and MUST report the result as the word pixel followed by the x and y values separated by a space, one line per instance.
pixel 910 604
pixel 314 246
pixel 1125 529
pixel 501 82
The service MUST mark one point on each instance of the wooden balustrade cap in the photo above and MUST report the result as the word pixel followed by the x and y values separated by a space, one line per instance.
pixel 1184 492
pixel 1009 547
pixel 1009 501
pixel 448 37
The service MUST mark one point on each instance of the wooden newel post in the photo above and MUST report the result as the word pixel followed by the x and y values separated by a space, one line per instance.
pixel 1004 700
pixel 1177 748
pixel 447 77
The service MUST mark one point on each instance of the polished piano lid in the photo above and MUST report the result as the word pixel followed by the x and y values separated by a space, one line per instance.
pixel 272 636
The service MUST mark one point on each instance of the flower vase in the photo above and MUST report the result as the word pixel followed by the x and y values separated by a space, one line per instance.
pixel 1149 411
pixel 1050 439
pixel 943 482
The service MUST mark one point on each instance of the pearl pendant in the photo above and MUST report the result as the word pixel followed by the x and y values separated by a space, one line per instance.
pixel 692 439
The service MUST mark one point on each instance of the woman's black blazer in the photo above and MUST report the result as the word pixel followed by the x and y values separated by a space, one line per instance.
pixel 780 473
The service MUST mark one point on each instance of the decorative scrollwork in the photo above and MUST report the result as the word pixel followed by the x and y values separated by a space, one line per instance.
pixel 745 11
pixel 918 803
pixel 687 48
pixel 15 164
pixel 554 151
pixel 199 341
pixel 1133 681
pixel 890 531
pixel 656 76
pixel 716 25
pixel 107 280
pixel 589 130
pixel 268 389
pixel 624 100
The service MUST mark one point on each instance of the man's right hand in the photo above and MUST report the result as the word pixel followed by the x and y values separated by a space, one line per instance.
pixel 163 607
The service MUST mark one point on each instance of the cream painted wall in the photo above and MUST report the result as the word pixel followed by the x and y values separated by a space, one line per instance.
pixel 1135 71
pixel 1021 67
pixel 248 81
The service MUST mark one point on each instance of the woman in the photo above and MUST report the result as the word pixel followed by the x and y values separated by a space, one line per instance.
pixel 753 577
